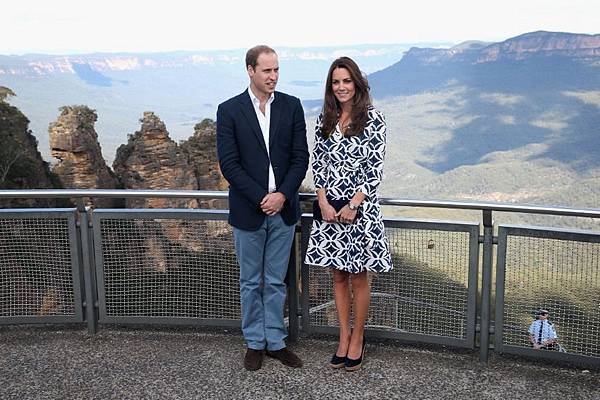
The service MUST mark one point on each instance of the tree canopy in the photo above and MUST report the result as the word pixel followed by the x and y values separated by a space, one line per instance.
pixel 5 92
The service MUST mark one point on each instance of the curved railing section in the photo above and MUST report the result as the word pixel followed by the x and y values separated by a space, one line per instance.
pixel 465 284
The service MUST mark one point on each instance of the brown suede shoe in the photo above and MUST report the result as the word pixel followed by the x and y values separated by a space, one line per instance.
pixel 286 357
pixel 253 359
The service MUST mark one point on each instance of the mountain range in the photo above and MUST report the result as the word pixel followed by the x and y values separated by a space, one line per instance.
pixel 182 88
pixel 513 121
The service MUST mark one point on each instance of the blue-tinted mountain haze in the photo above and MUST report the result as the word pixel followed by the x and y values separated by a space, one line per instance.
pixel 513 121
pixel 181 87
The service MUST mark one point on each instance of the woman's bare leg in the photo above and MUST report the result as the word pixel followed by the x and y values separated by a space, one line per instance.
pixel 360 305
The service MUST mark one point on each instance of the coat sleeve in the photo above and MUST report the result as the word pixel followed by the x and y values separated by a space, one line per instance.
pixel 320 158
pixel 229 159
pixel 298 154
pixel 373 173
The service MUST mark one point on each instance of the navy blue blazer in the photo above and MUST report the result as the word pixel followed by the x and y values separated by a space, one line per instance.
pixel 244 160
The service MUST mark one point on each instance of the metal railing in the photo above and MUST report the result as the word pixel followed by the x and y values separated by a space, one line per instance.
pixel 558 271
pixel 429 296
pixel 178 266
pixel 40 274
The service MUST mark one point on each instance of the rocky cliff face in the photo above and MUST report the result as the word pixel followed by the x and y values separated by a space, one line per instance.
pixel 201 150
pixel 74 143
pixel 151 160
pixel 21 164
pixel 542 44
pixel 534 44
pixel 531 63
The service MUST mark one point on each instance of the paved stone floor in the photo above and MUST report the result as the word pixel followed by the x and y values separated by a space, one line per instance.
pixel 141 363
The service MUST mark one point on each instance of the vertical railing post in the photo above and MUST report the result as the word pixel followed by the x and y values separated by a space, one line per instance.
pixel 305 295
pixel 486 285
pixel 91 314
pixel 293 292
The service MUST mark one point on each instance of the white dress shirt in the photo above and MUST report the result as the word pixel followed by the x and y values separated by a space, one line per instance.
pixel 542 330
pixel 264 121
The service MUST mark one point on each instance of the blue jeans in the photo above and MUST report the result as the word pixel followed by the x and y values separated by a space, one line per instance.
pixel 263 257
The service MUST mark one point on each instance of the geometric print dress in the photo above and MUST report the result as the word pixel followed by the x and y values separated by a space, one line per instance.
pixel 344 166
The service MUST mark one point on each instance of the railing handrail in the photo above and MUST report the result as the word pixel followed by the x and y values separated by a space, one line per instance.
pixel 110 193
pixel 202 194
pixel 491 206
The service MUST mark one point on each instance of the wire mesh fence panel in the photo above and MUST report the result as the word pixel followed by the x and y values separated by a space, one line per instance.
pixel 558 275
pixel 36 267
pixel 176 268
pixel 426 293
pixel 322 310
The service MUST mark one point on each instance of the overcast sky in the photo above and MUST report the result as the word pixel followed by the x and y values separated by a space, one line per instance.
pixel 68 26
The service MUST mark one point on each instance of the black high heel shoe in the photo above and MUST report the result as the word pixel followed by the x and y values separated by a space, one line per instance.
pixel 337 361
pixel 354 365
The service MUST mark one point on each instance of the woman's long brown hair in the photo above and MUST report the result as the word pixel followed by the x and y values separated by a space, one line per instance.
pixel 360 102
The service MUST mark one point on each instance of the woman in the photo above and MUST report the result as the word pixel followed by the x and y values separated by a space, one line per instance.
pixel 348 165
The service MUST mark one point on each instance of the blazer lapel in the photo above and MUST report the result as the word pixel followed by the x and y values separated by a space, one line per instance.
pixel 250 114
pixel 275 117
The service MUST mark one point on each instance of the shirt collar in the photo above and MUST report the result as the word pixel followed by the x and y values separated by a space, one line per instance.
pixel 255 99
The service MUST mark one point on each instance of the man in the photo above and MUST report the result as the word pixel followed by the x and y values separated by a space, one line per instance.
pixel 542 334
pixel 261 142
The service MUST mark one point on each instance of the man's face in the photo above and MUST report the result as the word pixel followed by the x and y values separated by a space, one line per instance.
pixel 263 78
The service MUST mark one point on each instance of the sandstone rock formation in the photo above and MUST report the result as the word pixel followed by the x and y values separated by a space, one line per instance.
pixel 543 44
pixel 151 160
pixel 74 142
pixel 21 164
pixel 528 45
pixel 201 150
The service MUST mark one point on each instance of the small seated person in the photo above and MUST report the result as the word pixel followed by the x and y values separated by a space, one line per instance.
pixel 542 334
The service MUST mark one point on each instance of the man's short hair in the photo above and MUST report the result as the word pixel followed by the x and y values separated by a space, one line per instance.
pixel 253 53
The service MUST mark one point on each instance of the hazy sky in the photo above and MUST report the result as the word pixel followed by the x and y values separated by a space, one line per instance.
pixel 66 26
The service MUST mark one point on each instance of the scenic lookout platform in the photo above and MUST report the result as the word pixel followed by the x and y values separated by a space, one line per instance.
pixel 144 303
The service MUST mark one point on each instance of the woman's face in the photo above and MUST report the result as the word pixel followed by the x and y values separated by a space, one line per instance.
pixel 342 85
